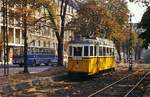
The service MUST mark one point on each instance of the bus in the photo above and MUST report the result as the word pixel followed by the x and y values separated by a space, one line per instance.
pixel 35 56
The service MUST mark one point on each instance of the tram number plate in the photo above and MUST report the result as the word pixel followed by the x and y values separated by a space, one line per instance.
pixel 77 58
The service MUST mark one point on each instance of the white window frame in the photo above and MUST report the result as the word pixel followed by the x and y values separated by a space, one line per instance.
pixel 84 50
pixel 99 50
pixel 90 51
pixel 73 50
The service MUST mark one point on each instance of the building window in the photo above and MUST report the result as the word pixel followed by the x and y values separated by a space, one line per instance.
pixel 44 44
pixel 17 36
pixel 54 45
pixel 33 42
pixel 49 44
pixel 53 34
pixel 39 43
pixel 69 9
pixel 72 10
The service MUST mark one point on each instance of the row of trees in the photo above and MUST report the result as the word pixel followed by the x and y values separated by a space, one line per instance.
pixel 95 18
pixel 98 18
pixel 145 22
pixel 26 11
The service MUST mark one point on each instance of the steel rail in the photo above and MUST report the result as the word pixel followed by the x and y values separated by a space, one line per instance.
pixel 110 85
pixel 131 90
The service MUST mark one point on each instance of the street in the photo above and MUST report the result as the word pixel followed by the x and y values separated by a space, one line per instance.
pixel 15 69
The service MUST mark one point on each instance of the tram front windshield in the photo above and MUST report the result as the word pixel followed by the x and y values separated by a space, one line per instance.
pixel 77 51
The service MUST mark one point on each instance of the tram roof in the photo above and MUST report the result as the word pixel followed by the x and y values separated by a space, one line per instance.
pixel 98 41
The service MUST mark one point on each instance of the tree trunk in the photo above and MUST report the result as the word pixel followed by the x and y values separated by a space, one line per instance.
pixel 25 39
pixel 60 37
pixel 124 53
pixel 119 52
pixel 60 52
pixel 25 51
pixel 135 54
pixel 139 53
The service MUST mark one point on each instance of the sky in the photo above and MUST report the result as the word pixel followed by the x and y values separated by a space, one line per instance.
pixel 137 11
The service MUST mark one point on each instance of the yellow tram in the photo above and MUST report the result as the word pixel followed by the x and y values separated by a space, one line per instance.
pixel 90 56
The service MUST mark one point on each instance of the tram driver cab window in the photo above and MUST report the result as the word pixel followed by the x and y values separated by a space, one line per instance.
pixel 77 51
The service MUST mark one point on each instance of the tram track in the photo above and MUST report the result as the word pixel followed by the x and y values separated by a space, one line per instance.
pixel 131 92
pixel 122 87
pixel 92 84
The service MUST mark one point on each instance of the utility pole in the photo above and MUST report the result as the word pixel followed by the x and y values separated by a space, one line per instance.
pixel 130 45
pixel 5 38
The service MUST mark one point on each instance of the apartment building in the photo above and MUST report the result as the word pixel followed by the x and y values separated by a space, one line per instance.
pixel 47 35
pixel 15 36
pixel 43 38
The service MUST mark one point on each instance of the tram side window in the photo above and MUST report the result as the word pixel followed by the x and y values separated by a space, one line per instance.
pixel 86 51
pixel 95 50
pixel 70 50
pixel 91 50
pixel 113 52
pixel 100 51
pixel 77 51
pixel 108 52
pixel 104 51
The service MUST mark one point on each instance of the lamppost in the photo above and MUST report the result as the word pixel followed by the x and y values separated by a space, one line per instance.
pixel 130 44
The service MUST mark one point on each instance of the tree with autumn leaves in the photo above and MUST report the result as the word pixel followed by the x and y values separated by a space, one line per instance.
pixel 23 9
pixel 56 16
pixel 26 10
pixel 98 18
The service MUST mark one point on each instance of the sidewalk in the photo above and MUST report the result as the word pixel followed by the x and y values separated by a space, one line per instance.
pixel 20 77
pixel 22 82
